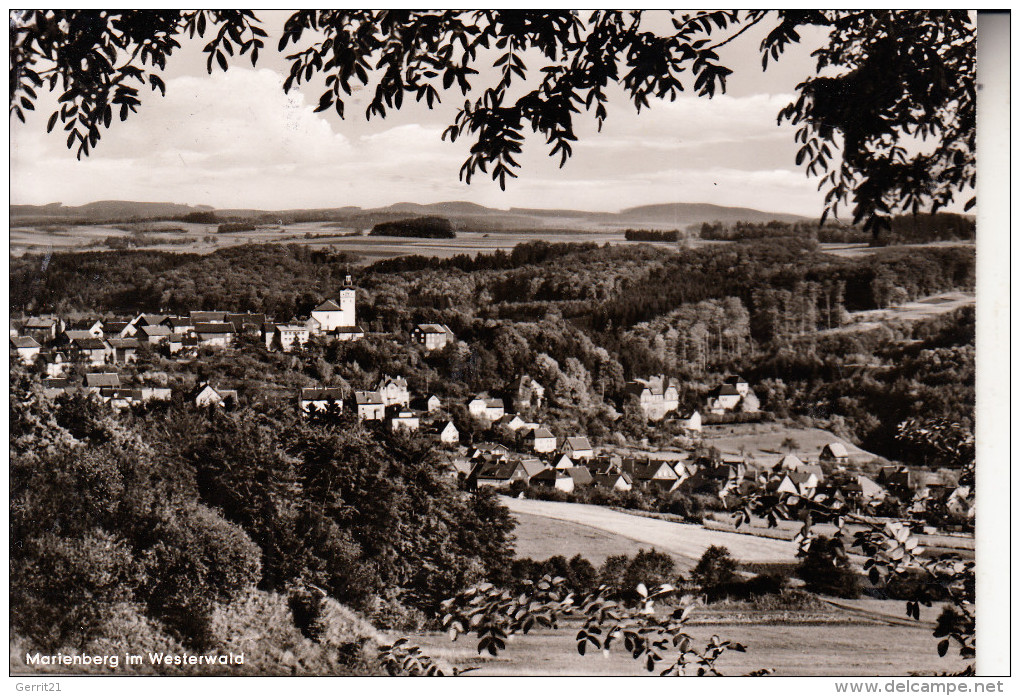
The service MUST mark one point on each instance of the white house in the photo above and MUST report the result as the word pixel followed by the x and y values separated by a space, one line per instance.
pixel 658 395
pixel 27 348
pixel 432 336
pixel 330 316
pixel 692 422
pixel 393 391
pixel 486 409
pixel 578 448
pixel 449 434
pixel 288 336
pixel 404 420
pixel 370 405
pixel 321 399
pixel 215 334
pixel 207 395
pixel 722 399
pixel 541 439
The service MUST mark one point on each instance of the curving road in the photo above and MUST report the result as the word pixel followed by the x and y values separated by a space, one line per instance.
pixel 686 540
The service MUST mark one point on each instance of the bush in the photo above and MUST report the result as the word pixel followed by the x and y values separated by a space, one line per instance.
pixel 716 567
pixel 757 586
pixel 826 570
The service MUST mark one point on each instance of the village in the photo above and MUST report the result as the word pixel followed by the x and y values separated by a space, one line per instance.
pixel 526 453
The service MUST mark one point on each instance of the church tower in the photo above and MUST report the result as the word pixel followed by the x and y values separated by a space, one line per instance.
pixel 347 303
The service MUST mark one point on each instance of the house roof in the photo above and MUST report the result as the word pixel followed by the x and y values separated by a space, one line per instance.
pixel 500 470
pixel 206 317
pixel 40 323
pixel 102 379
pixel 790 462
pixel 122 342
pixel 578 443
pixel 398 381
pixel 434 328
pixel 580 474
pixel 727 390
pixel 610 479
pixel 57 383
pixel 24 342
pixel 532 466
pixel 541 433
pixel 245 319
pixel 177 322
pixel 368 398
pixel 155 330
pixel 493 403
pixel 213 328
pixel 89 344
pixel 836 449
pixel 322 394
pixel 734 379
pixel 328 306
pixel 111 327
pixel 647 470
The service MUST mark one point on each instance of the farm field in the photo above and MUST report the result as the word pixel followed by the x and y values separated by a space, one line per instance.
pixel 203 239
pixel 686 541
pixel 852 649
pixel 541 537
pixel 763 442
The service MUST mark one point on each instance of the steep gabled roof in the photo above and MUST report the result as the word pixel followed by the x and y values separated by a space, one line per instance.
pixel 24 342
pixel 578 443
pixel 213 328
pixel 368 398
pixel 328 306
pixel 89 344
pixel 541 433
pixel 102 379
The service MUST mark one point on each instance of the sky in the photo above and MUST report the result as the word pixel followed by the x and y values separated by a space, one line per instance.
pixel 235 139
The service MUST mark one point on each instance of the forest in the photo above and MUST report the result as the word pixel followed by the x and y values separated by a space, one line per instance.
pixel 187 523
pixel 431 227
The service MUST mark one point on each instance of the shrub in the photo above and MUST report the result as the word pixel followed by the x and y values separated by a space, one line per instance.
pixel 715 567
pixel 826 570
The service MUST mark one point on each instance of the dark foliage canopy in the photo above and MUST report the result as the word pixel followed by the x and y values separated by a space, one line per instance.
pixel 895 90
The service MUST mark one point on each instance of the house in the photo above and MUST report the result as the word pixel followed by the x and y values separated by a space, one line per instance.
pixel 448 434
pixel 90 350
pixel 563 462
pixel 526 394
pixel 321 399
pixel 182 326
pixel 94 381
pixel 429 404
pixel 118 329
pixel 723 398
pixel 54 387
pixel 684 470
pixel 245 323
pixel 658 395
pixel 287 336
pixel 582 477
pixel 56 363
pixel 404 420
pixel 498 473
pixel 691 422
pixel 148 320
pixel 393 391
pixel 650 473
pixel 896 478
pixel 738 383
pixel 348 333
pixel 207 395
pixel 512 421
pixel 330 316
pixel 861 486
pixel 153 334
pixel 27 348
pixel 486 408
pixel 43 329
pixel 834 452
pixel 432 336
pixel 533 465
pixel 155 393
pixel 617 481
pixel 604 464
pixel 123 350
pixel 93 327
pixel 370 405
pixel 577 448
pixel 553 478
pixel 214 334
pixel 490 449
pixel 541 440
pixel 790 462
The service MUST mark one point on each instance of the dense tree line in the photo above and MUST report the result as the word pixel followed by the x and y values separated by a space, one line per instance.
pixel 431 226
pixel 651 235
pixel 903 229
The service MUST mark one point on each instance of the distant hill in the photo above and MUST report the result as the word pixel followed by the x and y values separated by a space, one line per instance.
pixel 463 216
pixel 106 210
pixel 682 214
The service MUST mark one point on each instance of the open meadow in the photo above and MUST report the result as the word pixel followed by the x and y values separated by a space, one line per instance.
pixel 850 649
